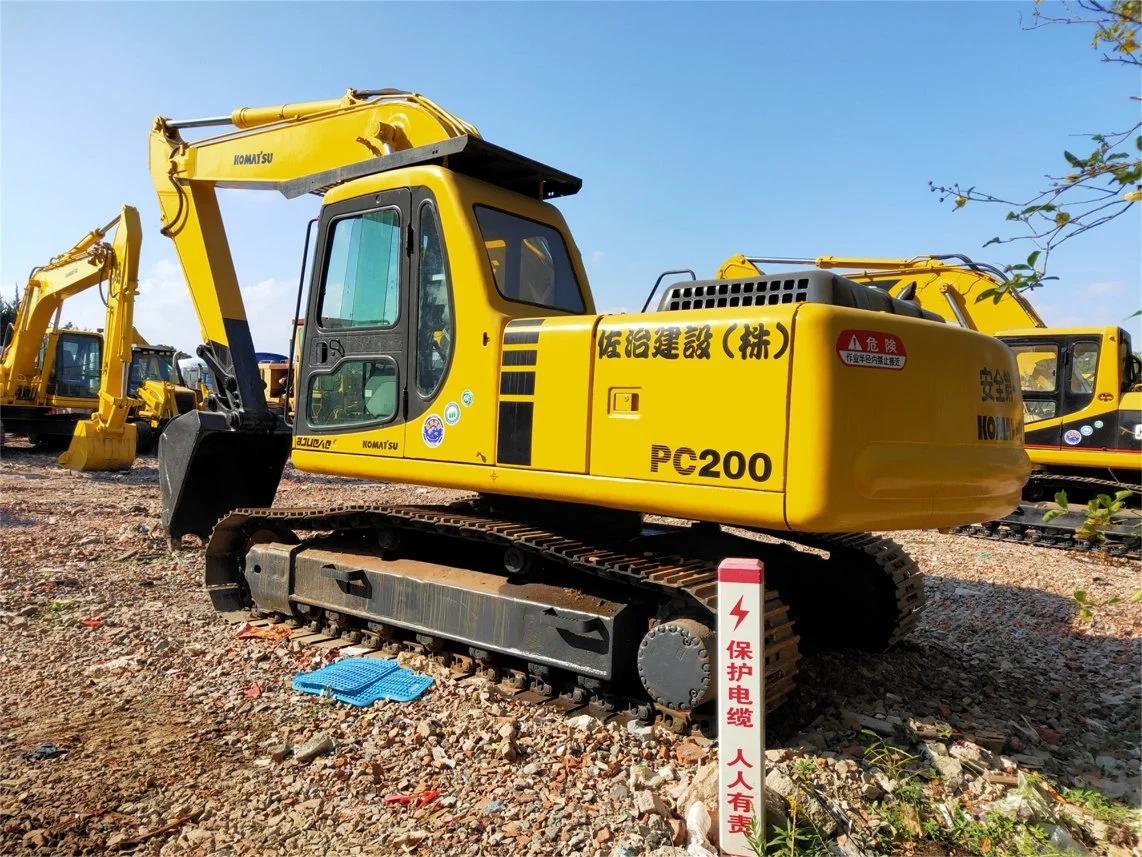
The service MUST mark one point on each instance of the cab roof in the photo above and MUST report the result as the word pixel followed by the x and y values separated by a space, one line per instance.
pixel 468 155
pixel 1049 332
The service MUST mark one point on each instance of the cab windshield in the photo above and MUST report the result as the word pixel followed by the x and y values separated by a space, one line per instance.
pixel 149 366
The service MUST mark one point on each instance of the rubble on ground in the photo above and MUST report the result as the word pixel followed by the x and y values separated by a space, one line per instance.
pixel 136 722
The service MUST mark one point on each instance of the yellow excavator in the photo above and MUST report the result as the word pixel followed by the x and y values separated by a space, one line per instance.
pixel 50 378
pixel 96 391
pixel 1081 388
pixel 451 339
pixel 278 376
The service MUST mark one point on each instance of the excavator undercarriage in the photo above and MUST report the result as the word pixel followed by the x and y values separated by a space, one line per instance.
pixel 599 608
pixel 1121 536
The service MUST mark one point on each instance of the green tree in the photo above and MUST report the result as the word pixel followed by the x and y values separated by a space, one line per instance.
pixel 8 312
pixel 1094 188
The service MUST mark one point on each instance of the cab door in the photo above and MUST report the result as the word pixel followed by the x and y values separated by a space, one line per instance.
pixel 354 366
pixel 1041 361
pixel 1080 372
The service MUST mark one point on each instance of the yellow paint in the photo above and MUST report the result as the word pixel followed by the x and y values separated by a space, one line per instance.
pixel 562 393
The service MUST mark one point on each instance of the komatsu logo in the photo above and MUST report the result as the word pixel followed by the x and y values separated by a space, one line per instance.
pixel 253 158
pixel 313 442
pixel 996 428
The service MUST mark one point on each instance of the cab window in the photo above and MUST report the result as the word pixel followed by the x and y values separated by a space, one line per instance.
pixel 1038 367
pixel 434 310
pixel 529 261
pixel 77 365
pixel 359 391
pixel 1129 363
pixel 1038 373
pixel 1084 367
pixel 362 278
pixel 149 366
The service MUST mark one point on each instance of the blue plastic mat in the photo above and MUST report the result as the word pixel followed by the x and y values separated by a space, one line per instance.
pixel 363 681
pixel 347 676
pixel 400 686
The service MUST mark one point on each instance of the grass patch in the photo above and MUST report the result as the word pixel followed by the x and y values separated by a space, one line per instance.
pixel 1099 806
pixel 56 608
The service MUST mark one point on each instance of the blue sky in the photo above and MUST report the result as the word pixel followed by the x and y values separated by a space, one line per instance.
pixel 700 130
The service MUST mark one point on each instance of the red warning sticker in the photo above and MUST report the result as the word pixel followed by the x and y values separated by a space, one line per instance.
pixel 871 348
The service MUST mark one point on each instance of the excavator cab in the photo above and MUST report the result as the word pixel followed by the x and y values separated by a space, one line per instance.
pixel 76 365
pixel 150 364
pixel 1073 381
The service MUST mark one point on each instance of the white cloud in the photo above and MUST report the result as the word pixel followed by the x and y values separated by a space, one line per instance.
pixel 247 196
pixel 269 308
pixel 1103 289
pixel 597 257
pixel 165 313
pixel 1056 316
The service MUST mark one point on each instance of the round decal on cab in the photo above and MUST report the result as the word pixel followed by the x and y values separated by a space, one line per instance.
pixel 433 431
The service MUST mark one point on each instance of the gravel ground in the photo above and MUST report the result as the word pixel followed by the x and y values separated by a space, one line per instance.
pixel 177 738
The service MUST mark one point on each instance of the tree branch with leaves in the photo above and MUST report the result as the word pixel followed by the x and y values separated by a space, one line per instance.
pixel 1094 189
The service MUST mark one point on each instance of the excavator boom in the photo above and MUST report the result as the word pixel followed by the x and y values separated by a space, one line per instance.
pixel 107 441
pixel 66 275
pixel 284 148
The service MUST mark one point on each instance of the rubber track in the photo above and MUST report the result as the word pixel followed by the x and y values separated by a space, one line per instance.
pixel 1052 535
pixel 886 558
pixel 669 575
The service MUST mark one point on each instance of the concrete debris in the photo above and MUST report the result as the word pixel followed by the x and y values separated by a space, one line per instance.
pixel 951 770
pixel 319 745
pixel 583 723
pixel 646 801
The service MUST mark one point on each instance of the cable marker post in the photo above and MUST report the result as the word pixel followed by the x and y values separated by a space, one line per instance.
pixel 741 703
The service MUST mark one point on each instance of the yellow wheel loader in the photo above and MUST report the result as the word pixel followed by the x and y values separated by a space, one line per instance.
pixel 1081 389
pixel 154 380
pixel 451 339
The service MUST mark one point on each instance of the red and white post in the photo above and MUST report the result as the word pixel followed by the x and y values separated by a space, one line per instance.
pixel 741 702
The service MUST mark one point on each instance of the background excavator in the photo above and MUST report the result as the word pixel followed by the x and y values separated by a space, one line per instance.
pixel 451 340
pixel 1081 386
pixel 96 390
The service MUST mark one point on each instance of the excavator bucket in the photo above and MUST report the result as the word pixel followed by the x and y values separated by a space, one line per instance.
pixel 207 469
pixel 95 449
